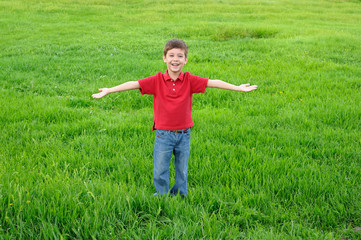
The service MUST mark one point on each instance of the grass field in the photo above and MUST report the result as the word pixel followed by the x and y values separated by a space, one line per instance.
pixel 282 162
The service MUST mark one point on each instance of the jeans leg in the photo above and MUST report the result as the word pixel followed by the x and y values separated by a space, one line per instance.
pixel 181 156
pixel 163 149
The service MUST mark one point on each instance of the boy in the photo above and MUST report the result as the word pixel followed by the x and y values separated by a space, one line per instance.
pixel 172 102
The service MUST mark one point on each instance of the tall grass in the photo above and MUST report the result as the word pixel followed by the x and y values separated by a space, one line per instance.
pixel 278 163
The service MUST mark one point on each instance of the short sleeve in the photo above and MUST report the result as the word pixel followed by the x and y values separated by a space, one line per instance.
pixel 147 85
pixel 198 84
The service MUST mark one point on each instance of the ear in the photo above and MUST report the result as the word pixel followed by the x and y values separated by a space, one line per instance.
pixel 186 61
pixel 164 58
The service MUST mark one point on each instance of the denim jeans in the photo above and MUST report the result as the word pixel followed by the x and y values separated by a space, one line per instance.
pixel 167 143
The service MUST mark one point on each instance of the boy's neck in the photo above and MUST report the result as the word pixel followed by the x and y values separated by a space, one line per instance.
pixel 173 75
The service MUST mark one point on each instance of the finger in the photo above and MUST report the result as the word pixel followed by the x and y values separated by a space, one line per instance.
pixel 247 85
pixel 101 89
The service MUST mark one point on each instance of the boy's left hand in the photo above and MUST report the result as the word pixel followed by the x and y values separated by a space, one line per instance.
pixel 246 87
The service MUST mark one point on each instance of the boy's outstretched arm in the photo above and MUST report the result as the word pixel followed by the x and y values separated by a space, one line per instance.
pixel 224 85
pixel 122 87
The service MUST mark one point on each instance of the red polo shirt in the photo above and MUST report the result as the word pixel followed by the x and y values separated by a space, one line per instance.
pixel 172 100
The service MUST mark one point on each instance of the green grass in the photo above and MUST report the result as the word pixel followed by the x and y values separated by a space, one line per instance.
pixel 282 162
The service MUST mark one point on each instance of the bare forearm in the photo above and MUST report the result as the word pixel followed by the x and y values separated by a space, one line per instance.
pixel 221 84
pixel 124 87
pixel 228 86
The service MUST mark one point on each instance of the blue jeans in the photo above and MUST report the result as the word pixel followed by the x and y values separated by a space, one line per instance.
pixel 166 143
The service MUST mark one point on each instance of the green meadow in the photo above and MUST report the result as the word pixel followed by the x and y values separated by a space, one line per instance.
pixel 281 162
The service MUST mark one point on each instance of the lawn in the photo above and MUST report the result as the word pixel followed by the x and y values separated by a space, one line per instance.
pixel 281 162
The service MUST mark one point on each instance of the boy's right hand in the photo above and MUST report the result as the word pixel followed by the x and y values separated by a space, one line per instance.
pixel 103 92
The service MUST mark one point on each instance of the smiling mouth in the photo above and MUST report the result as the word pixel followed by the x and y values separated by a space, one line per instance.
pixel 175 64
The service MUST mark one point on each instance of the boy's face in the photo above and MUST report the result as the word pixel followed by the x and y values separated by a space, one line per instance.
pixel 175 60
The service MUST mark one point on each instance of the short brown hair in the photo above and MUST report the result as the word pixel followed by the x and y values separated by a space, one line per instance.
pixel 175 43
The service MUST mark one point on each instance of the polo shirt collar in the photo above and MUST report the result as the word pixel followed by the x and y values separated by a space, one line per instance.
pixel 167 77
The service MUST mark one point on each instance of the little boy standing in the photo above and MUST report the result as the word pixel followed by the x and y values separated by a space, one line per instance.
pixel 172 102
